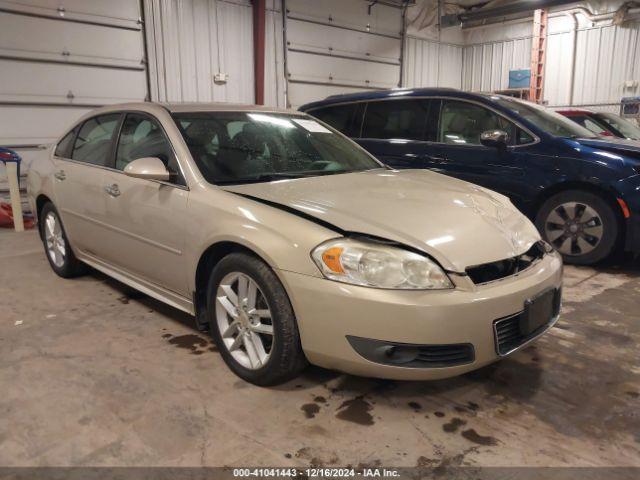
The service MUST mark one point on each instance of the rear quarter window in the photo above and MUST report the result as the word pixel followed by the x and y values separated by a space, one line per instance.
pixel 63 149
pixel 344 118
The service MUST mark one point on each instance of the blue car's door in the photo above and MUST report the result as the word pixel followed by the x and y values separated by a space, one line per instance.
pixel 458 151
pixel 398 131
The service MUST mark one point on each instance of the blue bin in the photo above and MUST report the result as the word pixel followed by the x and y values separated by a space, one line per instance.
pixel 519 78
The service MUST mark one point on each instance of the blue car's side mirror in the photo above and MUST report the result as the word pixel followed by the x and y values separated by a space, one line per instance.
pixel 494 138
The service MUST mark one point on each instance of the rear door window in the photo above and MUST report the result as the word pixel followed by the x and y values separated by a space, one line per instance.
pixel 94 141
pixel 396 119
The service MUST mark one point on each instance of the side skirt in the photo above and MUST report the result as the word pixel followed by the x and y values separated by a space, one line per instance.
pixel 154 291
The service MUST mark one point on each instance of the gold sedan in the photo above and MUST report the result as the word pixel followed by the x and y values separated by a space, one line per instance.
pixel 291 244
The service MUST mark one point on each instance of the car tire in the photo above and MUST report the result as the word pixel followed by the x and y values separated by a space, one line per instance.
pixel 56 244
pixel 241 336
pixel 581 225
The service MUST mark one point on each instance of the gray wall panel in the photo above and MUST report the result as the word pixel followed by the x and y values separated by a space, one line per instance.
pixel 337 47
pixel 63 57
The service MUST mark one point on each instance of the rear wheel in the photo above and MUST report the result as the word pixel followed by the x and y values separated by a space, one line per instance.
pixel 56 244
pixel 252 321
pixel 581 225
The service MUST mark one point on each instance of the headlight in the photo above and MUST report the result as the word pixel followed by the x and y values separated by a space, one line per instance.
pixel 378 265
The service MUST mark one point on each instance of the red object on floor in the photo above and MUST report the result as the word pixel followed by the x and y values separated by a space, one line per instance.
pixel 6 217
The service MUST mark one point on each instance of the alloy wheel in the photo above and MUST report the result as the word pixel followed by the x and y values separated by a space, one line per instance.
pixel 56 245
pixel 243 318
pixel 574 228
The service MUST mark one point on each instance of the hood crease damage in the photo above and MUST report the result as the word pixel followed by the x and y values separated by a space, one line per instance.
pixel 444 218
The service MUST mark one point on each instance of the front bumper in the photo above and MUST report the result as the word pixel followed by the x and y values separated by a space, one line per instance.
pixel 329 313
pixel 632 241
pixel 629 190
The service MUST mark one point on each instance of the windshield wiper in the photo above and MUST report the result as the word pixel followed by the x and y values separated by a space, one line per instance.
pixel 263 177
pixel 589 137
pixel 273 176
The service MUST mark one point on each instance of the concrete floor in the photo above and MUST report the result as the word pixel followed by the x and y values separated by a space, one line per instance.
pixel 94 375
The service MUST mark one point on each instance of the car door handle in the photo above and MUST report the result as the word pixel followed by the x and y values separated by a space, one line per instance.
pixel 112 190
pixel 439 159
pixel 435 159
pixel 60 175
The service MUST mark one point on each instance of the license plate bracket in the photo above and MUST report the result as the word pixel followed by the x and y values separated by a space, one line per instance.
pixel 538 311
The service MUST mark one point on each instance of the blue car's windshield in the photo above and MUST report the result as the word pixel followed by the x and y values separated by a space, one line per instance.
pixel 545 119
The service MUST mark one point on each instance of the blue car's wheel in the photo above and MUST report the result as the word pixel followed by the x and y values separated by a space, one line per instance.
pixel 581 225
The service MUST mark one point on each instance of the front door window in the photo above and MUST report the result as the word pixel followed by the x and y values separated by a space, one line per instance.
pixel 462 123
pixel 142 137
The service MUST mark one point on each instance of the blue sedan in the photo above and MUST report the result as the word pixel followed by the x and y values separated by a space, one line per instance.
pixel 581 191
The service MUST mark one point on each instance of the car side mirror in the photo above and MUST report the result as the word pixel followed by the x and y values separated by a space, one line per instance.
pixel 149 168
pixel 494 138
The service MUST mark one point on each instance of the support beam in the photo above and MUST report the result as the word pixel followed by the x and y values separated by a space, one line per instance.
pixel 259 12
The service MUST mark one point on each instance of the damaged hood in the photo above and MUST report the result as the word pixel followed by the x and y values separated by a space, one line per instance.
pixel 457 223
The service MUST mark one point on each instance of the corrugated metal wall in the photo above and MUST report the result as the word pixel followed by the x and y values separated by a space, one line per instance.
pixel 606 57
pixel 486 65
pixel 190 41
pixel 274 81
pixel 428 63
pixel 336 46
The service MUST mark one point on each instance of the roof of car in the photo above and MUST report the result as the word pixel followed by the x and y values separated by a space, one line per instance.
pixel 177 107
pixel 391 93
pixel 222 107
pixel 574 111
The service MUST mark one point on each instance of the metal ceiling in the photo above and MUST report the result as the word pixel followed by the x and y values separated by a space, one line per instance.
pixel 499 8
pixel 391 3
pixel 469 3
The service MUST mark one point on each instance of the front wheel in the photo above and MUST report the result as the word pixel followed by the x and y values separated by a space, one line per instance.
pixel 581 225
pixel 252 321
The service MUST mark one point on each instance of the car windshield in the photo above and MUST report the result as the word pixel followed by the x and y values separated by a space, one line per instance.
pixel 245 147
pixel 545 119
pixel 626 128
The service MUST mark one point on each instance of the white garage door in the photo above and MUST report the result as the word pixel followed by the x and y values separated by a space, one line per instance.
pixel 338 46
pixel 61 58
